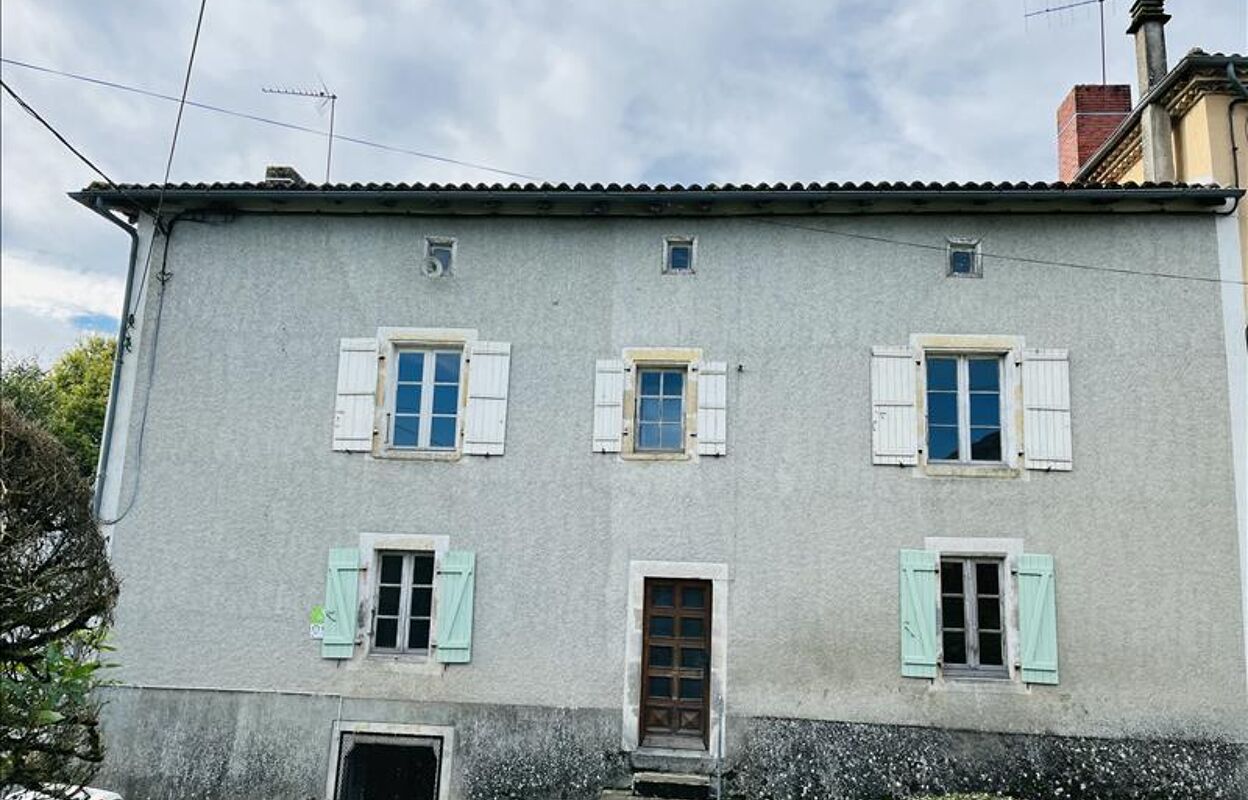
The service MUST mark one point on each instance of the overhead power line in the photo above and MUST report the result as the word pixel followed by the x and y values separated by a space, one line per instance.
pixel 1000 256
pixel 268 121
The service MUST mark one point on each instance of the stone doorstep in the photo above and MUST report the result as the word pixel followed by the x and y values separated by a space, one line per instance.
pixel 671 785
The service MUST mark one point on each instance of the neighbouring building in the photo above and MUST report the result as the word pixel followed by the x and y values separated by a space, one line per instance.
pixel 1190 125
pixel 815 490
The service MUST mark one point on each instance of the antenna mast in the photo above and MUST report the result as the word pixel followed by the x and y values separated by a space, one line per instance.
pixel 1101 7
pixel 325 96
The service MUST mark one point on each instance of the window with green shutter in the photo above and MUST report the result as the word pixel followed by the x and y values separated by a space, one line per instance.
pixel 457 579
pixel 341 596
pixel 1037 618
pixel 918 614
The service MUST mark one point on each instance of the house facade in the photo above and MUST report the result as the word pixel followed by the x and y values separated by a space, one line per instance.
pixel 471 491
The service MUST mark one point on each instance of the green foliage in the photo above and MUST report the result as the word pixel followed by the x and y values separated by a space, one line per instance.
pixel 70 399
pixel 57 593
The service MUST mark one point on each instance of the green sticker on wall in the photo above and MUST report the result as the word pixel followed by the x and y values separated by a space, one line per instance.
pixel 317 616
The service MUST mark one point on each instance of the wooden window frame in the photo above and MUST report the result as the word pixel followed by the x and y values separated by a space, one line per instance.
pixel 973 668
pixel 964 393
pixel 639 359
pixel 661 370
pixel 405 617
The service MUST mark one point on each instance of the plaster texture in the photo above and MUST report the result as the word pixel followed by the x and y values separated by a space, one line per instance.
pixel 240 496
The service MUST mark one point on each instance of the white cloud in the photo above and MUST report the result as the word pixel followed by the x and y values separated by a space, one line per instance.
pixel 56 292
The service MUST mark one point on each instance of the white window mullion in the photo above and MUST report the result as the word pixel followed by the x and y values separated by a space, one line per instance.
pixel 964 410
pixel 426 398
pixel 404 603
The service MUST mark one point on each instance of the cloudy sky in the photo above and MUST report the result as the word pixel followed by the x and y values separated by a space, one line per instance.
pixel 598 90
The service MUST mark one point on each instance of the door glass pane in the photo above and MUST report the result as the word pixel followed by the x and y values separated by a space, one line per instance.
pixel 660 686
pixel 660 656
pixel 387 634
pixel 692 658
pixel 691 627
pixel 663 595
pixel 661 626
pixel 690 688
pixel 955 647
pixel 693 597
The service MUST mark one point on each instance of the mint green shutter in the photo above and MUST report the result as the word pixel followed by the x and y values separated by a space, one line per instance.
pixel 1037 618
pixel 456 580
pixel 918 614
pixel 341 594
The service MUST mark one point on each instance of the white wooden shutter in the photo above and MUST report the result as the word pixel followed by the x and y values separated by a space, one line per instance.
pixel 608 405
pixel 713 408
pixel 894 420
pixel 356 403
pixel 1046 410
pixel 485 418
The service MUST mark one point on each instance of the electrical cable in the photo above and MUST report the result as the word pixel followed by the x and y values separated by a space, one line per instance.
pixel 267 121
pixel 999 256
pixel 166 233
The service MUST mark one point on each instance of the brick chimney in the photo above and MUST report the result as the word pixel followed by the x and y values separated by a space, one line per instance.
pixel 1148 21
pixel 1085 119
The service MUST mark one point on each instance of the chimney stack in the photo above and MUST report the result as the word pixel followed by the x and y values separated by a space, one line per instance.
pixel 283 176
pixel 1085 119
pixel 1148 21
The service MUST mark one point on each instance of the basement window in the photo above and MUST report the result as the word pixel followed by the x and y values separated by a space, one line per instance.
pixel 964 258
pixel 678 255
pixel 385 766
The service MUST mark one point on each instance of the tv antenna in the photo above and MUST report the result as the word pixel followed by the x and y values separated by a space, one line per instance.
pixel 324 95
pixel 1065 7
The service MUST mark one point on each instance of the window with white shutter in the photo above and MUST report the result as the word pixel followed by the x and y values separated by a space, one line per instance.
pixel 1046 410
pixel 713 408
pixel 356 403
pixel 485 417
pixel 894 420
pixel 608 405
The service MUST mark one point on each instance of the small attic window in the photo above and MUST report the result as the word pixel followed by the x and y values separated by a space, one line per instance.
pixel 678 255
pixel 964 258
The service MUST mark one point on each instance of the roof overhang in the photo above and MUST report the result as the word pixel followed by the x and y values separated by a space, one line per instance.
pixel 646 201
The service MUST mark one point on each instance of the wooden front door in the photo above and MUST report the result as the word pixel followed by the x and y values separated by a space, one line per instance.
pixel 676 664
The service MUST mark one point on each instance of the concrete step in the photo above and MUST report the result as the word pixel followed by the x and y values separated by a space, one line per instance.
pixel 679 786
pixel 616 794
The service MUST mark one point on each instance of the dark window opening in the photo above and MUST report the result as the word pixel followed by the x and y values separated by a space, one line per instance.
pixel 971 617
pixel 382 767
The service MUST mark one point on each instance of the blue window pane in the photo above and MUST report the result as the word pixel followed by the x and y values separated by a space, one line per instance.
pixel 648 437
pixel 447 370
pixel 961 262
pixel 669 437
pixel 986 410
pixel 679 256
pixel 442 432
pixel 942 443
pixel 406 431
pixel 673 383
pixel 407 400
pixel 985 444
pixel 442 254
pixel 671 410
pixel 942 373
pixel 650 382
pixel 942 408
pixel 411 366
pixel 984 374
pixel 649 411
pixel 445 399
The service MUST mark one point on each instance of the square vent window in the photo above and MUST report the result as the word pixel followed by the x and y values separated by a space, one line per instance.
pixel 678 255
pixel 964 258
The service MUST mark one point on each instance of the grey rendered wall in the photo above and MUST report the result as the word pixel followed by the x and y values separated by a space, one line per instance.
pixel 224 552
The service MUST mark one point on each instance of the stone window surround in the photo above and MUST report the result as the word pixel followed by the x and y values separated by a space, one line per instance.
pixel 444 732
pixel 1009 550
pixel 717 574
pixel 390 341
pixel 404 663
pixel 638 358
